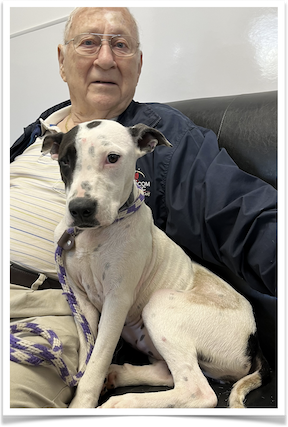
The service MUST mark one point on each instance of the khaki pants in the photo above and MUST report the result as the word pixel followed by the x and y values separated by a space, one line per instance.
pixel 39 386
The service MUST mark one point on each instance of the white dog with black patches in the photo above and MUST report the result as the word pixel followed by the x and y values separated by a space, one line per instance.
pixel 187 319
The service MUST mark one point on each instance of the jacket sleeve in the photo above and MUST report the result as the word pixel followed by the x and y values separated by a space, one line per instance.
pixel 27 138
pixel 220 213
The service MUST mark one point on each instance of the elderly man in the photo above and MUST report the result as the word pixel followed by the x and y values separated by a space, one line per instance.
pixel 198 196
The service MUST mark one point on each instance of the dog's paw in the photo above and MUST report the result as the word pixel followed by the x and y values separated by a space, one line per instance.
pixel 82 402
pixel 128 400
pixel 110 380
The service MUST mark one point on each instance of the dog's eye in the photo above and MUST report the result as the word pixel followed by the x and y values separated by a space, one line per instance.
pixel 113 158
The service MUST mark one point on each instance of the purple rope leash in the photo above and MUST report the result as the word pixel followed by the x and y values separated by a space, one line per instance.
pixel 24 351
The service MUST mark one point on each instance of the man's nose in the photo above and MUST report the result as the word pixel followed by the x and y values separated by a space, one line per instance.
pixel 105 57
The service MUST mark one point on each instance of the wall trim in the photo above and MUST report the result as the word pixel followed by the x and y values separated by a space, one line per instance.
pixel 39 27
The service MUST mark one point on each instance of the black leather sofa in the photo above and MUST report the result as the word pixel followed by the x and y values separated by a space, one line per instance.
pixel 246 126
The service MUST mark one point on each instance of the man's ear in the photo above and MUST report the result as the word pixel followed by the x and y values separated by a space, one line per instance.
pixel 61 54
pixel 51 143
pixel 146 138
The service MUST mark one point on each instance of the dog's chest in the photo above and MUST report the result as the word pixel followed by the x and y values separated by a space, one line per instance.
pixel 82 276
pixel 90 267
pixel 99 263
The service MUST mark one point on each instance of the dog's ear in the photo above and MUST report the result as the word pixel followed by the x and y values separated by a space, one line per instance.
pixel 51 144
pixel 146 138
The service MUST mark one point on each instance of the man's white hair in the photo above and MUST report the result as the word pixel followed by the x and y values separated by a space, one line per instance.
pixel 78 9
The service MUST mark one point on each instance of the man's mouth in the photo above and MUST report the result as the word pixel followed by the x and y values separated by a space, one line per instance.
pixel 104 83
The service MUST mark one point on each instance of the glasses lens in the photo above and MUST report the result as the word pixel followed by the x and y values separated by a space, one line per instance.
pixel 87 44
pixel 123 45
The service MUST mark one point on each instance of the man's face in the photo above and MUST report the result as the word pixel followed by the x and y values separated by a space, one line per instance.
pixel 103 83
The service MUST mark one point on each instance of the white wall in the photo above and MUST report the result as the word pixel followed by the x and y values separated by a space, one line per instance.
pixel 189 52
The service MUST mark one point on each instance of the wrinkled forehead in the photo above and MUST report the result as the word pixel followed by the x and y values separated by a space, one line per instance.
pixel 93 19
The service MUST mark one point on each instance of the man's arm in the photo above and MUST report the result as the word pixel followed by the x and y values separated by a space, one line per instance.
pixel 222 214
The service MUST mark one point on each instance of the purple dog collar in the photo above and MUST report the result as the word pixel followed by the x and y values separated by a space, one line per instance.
pixel 133 208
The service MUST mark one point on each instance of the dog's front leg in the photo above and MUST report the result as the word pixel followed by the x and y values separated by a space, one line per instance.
pixel 92 316
pixel 114 313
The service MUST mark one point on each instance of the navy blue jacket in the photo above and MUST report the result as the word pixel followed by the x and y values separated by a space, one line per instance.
pixel 220 215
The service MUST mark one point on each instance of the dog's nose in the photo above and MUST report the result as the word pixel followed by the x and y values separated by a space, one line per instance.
pixel 83 210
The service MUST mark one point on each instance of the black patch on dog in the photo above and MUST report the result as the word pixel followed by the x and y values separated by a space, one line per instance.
pixel 93 124
pixel 252 349
pixel 257 359
pixel 134 132
pixel 67 156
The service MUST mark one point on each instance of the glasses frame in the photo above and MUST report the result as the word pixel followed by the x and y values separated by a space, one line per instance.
pixel 101 39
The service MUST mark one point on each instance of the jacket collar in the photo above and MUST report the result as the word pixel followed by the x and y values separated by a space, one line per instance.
pixel 139 113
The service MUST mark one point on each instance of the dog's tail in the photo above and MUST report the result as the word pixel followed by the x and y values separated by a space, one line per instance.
pixel 259 375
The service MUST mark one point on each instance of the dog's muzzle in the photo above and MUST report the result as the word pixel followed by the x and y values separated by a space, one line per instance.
pixel 83 211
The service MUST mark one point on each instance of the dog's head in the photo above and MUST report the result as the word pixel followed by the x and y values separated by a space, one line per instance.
pixel 97 164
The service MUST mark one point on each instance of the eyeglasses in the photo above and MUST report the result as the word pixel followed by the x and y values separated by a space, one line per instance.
pixel 88 44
